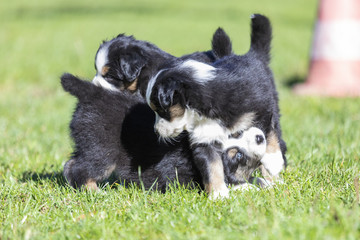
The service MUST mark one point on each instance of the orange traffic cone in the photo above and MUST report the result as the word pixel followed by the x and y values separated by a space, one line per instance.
pixel 335 61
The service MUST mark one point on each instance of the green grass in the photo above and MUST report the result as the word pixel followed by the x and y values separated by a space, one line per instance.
pixel 41 39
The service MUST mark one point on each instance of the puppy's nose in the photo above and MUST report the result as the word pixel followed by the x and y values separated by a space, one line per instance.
pixel 259 139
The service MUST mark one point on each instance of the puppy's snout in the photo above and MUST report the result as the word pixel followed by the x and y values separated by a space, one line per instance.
pixel 259 139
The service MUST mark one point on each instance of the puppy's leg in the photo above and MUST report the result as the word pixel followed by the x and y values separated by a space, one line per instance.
pixel 209 162
pixel 78 178
pixel 81 175
pixel 272 162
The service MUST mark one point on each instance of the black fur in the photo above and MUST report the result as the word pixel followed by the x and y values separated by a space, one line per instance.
pixel 129 59
pixel 241 84
pixel 116 129
pixel 221 46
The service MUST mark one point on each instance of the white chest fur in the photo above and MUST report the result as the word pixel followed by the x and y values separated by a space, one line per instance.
pixel 206 130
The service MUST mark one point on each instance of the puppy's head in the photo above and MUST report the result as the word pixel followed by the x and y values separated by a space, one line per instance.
pixel 119 62
pixel 170 93
pixel 243 152
pixel 166 97
pixel 125 63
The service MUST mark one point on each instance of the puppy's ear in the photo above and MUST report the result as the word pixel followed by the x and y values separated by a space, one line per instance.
pixel 272 122
pixel 168 94
pixel 132 64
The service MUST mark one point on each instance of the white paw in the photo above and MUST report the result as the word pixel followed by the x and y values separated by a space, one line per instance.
pixel 269 182
pixel 244 187
pixel 273 163
pixel 219 194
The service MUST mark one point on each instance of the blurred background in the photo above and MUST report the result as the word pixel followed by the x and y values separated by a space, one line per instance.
pixel 41 39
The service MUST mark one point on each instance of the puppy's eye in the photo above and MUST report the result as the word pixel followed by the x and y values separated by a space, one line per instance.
pixel 238 134
pixel 259 139
pixel 239 156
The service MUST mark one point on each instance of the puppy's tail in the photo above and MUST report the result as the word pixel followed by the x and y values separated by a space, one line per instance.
pixel 83 90
pixel 261 34
pixel 221 43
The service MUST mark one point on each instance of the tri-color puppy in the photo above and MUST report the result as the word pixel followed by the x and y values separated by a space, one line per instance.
pixel 242 154
pixel 125 63
pixel 113 133
pixel 213 101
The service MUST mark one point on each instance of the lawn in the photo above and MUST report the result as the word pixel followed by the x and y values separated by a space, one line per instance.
pixel 42 39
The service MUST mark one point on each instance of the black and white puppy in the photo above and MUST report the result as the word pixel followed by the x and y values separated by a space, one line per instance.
pixel 113 133
pixel 217 100
pixel 125 63
pixel 242 154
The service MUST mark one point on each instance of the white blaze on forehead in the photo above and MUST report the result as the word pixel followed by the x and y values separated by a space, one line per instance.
pixel 102 57
pixel 248 142
pixel 202 72
pixel 99 81
pixel 100 62
pixel 150 86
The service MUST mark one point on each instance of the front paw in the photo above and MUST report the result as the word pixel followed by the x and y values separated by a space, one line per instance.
pixel 268 180
pixel 244 187
pixel 273 163
pixel 219 194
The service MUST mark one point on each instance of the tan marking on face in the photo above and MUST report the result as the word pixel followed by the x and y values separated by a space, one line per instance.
pixel 91 185
pixel 132 86
pixel 104 70
pixel 216 176
pixel 152 106
pixel 236 134
pixel 232 152
pixel 176 111
pixel 272 143
pixel 243 173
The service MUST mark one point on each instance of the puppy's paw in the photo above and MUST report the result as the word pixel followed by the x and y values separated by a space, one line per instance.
pixel 273 163
pixel 219 194
pixel 267 182
pixel 91 186
pixel 244 187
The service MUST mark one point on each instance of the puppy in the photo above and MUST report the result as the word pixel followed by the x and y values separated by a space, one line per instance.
pixel 213 101
pixel 125 63
pixel 113 133
pixel 242 154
